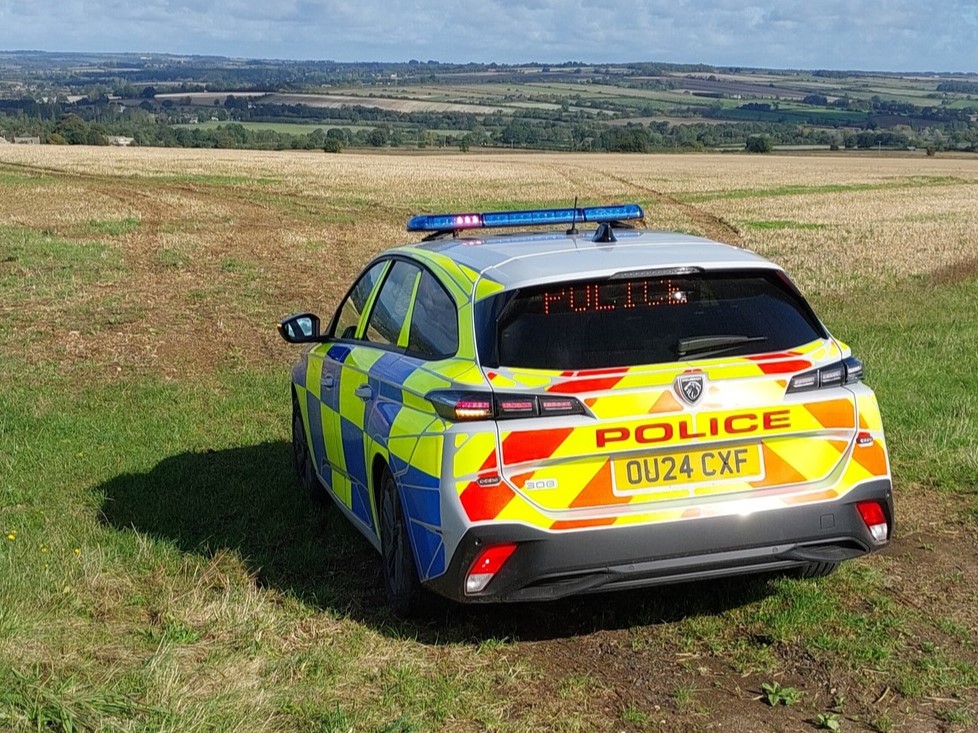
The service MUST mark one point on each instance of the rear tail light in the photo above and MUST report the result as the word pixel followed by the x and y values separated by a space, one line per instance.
pixel 874 518
pixel 847 371
pixel 459 406
pixel 486 565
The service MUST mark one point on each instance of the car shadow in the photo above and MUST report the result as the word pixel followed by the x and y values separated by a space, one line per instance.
pixel 246 500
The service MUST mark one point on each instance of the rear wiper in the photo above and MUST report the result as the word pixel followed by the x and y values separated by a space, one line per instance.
pixel 709 345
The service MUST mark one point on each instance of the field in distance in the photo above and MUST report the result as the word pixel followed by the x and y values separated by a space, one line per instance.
pixel 160 570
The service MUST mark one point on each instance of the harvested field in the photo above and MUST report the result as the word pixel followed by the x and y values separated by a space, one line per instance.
pixel 160 571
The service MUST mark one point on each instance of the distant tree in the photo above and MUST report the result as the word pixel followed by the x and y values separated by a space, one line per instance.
pixel 377 137
pixel 332 145
pixel 73 130
pixel 148 92
pixel 759 144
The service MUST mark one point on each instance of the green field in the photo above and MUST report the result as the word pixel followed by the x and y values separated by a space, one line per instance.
pixel 289 128
pixel 160 570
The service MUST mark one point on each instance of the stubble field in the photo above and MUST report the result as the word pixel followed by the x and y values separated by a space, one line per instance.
pixel 160 571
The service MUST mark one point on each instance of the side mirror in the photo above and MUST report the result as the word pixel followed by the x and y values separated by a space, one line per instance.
pixel 301 328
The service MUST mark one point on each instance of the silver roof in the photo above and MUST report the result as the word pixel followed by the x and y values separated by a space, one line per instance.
pixel 528 259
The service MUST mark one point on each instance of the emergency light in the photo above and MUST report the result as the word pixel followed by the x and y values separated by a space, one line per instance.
pixel 531 217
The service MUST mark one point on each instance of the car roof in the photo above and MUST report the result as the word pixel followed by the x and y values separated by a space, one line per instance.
pixel 522 260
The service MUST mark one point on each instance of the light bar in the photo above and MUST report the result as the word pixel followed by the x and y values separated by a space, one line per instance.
pixel 532 217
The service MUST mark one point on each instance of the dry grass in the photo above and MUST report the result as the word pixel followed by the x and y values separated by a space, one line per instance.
pixel 229 240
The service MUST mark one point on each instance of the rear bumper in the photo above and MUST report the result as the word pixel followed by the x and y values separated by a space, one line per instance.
pixel 550 565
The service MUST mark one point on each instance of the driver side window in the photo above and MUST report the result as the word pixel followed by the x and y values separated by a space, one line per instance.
pixel 352 306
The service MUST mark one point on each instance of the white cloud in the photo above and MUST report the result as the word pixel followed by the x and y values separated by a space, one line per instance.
pixel 875 34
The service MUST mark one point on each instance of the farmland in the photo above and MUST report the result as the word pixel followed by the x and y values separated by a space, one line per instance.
pixel 172 101
pixel 160 571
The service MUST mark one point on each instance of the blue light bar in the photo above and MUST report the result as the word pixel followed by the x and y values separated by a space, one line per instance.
pixel 533 217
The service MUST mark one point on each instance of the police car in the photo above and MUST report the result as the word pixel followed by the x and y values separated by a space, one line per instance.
pixel 594 407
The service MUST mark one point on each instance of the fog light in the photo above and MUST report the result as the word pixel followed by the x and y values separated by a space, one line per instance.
pixel 874 518
pixel 486 566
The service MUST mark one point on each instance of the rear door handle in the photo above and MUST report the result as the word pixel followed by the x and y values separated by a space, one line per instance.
pixel 328 381
pixel 364 392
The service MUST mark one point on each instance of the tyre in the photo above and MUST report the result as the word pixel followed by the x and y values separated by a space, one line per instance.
pixel 405 595
pixel 816 569
pixel 302 458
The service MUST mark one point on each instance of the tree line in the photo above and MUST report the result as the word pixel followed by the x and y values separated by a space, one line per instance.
pixel 91 122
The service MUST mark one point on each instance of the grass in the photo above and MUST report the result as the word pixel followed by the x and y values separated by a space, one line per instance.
pixel 783 224
pixel 159 570
pixel 113 227
pixel 795 190
pixel 38 265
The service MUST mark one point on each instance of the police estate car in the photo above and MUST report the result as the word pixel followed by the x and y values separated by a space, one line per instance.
pixel 530 416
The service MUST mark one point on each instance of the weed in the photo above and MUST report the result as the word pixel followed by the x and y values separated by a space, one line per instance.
pixel 776 694
pixel 828 721
pixel 684 695
pixel 883 722
pixel 956 716
pixel 634 715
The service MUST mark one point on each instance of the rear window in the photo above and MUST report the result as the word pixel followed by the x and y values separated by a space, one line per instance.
pixel 593 324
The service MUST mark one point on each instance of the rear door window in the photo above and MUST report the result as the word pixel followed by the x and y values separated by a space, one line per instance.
pixel 434 321
pixel 390 310
pixel 593 324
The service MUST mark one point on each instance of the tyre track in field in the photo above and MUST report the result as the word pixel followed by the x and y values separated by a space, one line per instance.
pixel 710 225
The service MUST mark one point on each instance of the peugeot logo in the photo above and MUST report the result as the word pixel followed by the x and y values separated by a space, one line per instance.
pixel 690 387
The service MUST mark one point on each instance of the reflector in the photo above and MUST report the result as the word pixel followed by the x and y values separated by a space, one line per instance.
pixel 486 566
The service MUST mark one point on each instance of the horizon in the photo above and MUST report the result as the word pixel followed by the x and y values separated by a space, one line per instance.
pixel 888 36
pixel 472 62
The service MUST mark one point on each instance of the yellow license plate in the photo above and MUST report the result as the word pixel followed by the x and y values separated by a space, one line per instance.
pixel 689 467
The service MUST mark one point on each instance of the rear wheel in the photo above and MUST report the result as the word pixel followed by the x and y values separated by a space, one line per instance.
pixel 404 592
pixel 817 569
pixel 302 458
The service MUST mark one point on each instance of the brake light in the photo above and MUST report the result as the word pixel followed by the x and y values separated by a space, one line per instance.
pixel 486 565
pixel 847 371
pixel 473 409
pixel 459 406
pixel 874 518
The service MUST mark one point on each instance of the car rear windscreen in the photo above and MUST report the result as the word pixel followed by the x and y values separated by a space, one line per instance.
pixel 613 322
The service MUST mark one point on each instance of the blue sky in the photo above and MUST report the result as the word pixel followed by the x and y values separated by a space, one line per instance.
pixel 885 35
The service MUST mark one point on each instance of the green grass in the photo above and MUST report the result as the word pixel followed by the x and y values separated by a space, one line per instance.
pixel 782 224
pixel 210 179
pixel 917 340
pixel 160 571
pixel 113 227
pixel 10 176
pixel 802 190
pixel 38 264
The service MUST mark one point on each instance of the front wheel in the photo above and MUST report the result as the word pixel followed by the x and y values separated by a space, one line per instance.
pixel 404 592
pixel 302 458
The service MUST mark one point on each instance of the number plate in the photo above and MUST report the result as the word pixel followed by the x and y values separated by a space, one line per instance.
pixel 689 467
